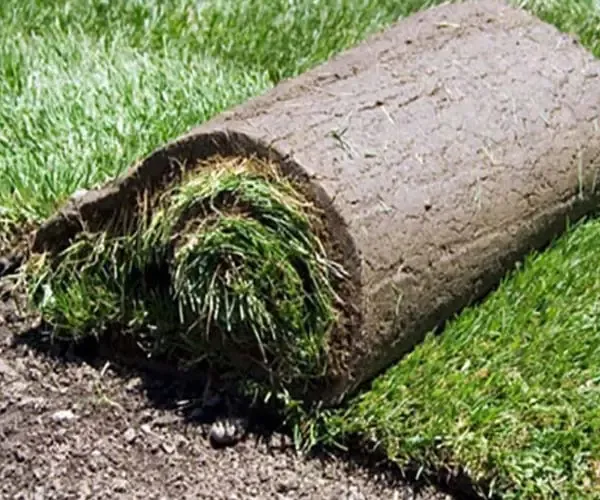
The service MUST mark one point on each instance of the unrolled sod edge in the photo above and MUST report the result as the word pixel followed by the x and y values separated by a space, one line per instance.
pixel 442 151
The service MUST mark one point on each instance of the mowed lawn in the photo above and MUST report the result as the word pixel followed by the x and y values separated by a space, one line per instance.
pixel 510 393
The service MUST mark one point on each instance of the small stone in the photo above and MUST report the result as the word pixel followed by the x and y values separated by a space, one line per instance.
pixel 227 432
pixel 36 323
pixel 63 416
pixel 129 435
pixel 146 429
pixel 168 448
pixel 79 194
pixel 133 384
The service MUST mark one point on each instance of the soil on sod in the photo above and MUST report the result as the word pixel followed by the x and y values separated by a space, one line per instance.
pixel 440 152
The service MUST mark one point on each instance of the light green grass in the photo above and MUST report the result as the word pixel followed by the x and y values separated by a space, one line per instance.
pixel 74 111
pixel 88 86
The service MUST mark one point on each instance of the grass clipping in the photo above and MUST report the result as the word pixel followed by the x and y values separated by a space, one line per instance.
pixel 226 266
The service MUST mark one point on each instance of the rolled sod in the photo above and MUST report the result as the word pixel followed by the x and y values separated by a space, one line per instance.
pixel 421 164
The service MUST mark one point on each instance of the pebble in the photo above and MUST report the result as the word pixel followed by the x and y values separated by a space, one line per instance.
pixel 79 194
pixel 227 432
pixel 133 384
pixel 168 448
pixel 63 416
pixel 129 435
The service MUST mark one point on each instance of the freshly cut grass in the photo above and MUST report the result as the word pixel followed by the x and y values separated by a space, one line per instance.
pixel 75 112
pixel 510 392
pixel 226 265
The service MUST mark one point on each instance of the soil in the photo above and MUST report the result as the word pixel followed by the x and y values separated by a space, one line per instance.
pixel 72 428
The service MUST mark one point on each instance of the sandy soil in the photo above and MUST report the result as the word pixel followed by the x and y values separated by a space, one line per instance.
pixel 71 429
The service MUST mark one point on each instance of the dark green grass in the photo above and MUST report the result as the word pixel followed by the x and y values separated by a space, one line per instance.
pixel 87 86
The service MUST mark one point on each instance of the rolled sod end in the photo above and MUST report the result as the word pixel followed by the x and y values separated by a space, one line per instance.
pixel 317 233
pixel 226 263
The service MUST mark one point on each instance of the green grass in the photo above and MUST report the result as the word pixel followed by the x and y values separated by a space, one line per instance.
pixel 88 86
pixel 226 267
pixel 75 111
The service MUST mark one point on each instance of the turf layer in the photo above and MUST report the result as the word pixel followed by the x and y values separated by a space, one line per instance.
pixel 88 86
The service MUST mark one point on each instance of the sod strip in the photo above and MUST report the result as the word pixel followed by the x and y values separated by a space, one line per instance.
pixel 441 151
pixel 509 393
pixel 224 265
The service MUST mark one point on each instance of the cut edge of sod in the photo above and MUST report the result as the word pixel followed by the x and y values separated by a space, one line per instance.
pixel 228 266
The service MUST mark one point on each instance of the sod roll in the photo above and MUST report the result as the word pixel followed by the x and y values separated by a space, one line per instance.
pixel 439 152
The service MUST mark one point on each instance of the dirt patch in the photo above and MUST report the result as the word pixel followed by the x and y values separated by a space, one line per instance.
pixel 70 429
pixel 442 150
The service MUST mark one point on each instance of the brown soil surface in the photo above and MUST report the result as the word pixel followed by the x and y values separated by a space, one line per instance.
pixel 70 429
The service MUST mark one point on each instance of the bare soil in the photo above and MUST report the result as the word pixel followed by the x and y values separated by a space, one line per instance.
pixel 72 428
